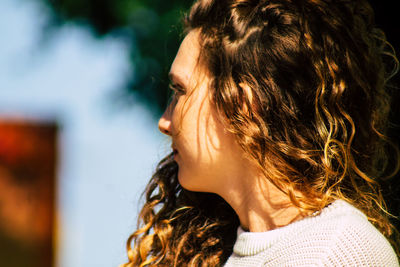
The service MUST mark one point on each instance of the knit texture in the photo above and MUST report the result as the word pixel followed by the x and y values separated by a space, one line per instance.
pixel 339 235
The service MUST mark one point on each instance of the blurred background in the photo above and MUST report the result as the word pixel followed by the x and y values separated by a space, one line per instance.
pixel 82 84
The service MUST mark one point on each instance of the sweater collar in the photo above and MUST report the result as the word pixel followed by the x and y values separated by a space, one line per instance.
pixel 252 243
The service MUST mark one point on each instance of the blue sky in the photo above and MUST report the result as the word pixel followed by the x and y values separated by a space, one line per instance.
pixel 107 155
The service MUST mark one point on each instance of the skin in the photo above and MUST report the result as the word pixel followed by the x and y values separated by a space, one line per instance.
pixel 209 158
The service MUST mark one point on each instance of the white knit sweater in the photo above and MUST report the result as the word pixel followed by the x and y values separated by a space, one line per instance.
pixel 340 235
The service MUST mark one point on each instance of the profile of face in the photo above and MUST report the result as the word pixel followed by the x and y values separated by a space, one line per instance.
pixel 206 153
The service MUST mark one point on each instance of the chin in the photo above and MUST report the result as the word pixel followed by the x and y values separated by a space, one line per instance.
pixel 189 182
pixel 183 181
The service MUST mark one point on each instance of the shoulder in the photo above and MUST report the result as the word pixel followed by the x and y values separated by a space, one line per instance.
pixel 340 235
pixel 355 241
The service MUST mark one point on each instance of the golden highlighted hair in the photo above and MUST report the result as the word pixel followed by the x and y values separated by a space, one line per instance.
pixel 315 124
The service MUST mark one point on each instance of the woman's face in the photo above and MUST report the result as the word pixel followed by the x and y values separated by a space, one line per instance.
pixel 207 155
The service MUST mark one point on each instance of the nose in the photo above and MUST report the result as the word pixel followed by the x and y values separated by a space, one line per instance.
pixel 164 124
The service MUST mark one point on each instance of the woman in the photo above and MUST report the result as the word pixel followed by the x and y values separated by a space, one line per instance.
pixel 277 125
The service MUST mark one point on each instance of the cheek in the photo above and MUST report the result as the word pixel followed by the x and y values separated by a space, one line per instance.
pixel 200 130
pixel 206 157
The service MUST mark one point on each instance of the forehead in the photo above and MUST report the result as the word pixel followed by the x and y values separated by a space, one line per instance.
pixel 186 59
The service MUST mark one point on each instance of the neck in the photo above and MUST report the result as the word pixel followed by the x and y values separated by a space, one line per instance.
pixel 259 204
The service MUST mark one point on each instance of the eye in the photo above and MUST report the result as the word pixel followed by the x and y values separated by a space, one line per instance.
pixel 177 89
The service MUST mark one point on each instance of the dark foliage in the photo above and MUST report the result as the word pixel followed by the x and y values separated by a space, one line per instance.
pixel 152 28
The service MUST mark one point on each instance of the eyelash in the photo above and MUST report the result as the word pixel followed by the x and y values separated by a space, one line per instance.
pixel 177 89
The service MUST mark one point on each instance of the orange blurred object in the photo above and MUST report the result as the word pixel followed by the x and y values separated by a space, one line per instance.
pixel 28 161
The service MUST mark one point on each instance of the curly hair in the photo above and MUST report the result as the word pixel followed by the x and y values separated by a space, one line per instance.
pixel 318 72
